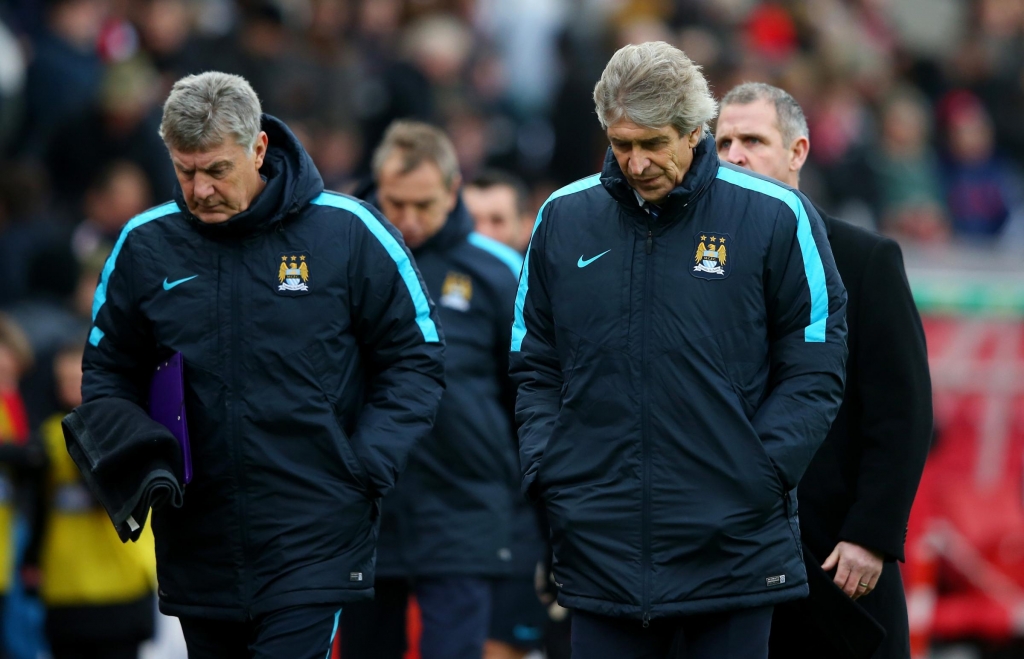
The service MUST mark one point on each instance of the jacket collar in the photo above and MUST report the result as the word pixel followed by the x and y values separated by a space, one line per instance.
pixel 702 172
pixel 292 183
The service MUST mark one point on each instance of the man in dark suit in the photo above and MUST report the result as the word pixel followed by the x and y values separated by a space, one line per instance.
pixel 856 495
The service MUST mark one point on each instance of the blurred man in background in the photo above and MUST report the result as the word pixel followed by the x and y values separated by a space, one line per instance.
pixel 497 200
pixel 448 527
pixel 679 342
pixel 857 492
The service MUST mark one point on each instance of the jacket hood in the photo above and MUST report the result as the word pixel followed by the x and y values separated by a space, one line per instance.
pixel 293 181
pixel 702 172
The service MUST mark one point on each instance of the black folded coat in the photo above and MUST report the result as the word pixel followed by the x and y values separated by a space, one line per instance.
pixel 129 462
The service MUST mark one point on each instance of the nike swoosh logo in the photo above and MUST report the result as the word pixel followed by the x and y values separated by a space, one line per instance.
pixel 582 264
pixel 168 285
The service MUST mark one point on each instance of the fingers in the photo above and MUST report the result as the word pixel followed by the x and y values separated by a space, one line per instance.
pixel 831 561
pixel 844 579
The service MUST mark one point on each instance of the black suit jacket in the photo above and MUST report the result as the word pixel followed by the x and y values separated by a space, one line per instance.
pixel 861 483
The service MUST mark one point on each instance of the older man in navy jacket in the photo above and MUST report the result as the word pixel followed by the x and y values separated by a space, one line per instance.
pixel 313 363
pixel 679 347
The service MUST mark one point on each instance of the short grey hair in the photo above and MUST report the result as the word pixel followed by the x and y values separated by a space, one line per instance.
pixel 654 84
pixel 203 111
pixel 791 119
pixel 417 142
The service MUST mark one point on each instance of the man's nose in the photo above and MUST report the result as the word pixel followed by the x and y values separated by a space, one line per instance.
pixel 736 155
pixel 202 188
pixel 638 163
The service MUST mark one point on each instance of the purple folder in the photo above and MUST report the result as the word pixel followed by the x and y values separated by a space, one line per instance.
pixel 167 405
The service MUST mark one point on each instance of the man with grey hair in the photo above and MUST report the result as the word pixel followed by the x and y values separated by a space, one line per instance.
pixel 857 493
pixel 679 347
pixel 312 363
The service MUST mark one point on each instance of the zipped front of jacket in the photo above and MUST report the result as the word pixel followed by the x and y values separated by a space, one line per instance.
pixel 645 425
pixel 234 418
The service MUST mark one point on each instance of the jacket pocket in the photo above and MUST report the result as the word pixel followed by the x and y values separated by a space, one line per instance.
pixel 348 456
pixel 317 361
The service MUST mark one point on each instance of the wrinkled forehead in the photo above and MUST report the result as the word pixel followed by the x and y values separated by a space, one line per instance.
pixel 228 151
pixel 627 131
pixel 756 118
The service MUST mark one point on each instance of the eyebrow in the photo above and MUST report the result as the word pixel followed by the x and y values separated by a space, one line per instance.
pixel 651 141
pixel 218 165
pixel 743 136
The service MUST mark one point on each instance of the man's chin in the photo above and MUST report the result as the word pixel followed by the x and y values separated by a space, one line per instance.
pixel 654 193
pixel 212 216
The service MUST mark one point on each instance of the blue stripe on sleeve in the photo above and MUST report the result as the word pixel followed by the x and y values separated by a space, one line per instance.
pixel 814 270
pixel 397 254
pixel 501 251
pixel 519 323
pixel 100 297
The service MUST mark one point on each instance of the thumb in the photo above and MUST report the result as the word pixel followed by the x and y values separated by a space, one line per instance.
pixel 831 561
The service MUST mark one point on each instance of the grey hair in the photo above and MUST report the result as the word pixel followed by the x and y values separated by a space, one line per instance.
pixel 417 142
pixel 791 119
pixel 202 111
pixel 654 84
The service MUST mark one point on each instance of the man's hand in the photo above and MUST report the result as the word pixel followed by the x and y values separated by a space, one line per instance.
pixel 859 568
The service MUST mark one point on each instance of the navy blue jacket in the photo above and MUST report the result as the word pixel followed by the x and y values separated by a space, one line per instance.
pixel 453 510
pixel 675 378
pixel 313 363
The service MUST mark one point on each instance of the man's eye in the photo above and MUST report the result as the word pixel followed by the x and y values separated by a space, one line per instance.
pixel 724 144
pixel 753 140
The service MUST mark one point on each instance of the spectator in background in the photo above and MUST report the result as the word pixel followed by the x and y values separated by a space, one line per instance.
pixel 449 524
pixel 16 359
pixel 12 80
pixel 122 126
pixel 117 194
pixel 907 172
pixel 50 322
pixel 497 201
pixel 99 592
pixel 65 72
pixel 982 189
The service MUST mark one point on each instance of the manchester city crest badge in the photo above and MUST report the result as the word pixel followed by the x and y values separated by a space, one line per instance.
pixel 710 258
pixel 293 274
pixel 456 292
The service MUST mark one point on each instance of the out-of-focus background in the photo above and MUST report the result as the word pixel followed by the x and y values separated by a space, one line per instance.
pixel 916 112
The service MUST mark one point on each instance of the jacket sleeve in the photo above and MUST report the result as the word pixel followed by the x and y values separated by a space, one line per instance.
pixel 396 325
pixel 895 389
pixel 534 364
pixel 505 299
pixel 806 307
pixel 120 354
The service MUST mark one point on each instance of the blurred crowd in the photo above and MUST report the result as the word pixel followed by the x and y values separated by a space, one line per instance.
pixel 914 110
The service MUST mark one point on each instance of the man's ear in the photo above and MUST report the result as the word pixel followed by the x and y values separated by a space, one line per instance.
pixel 798 152
pixel 694 138
pixel 261 148
pixel 453 192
